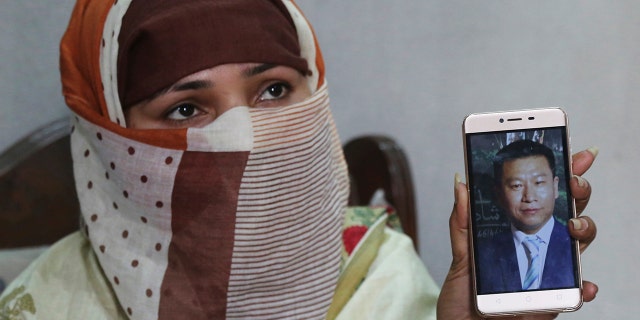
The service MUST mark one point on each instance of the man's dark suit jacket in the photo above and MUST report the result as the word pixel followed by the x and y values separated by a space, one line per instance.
pixel 497 266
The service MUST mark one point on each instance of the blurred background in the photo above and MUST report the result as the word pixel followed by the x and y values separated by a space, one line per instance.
pixel 413 70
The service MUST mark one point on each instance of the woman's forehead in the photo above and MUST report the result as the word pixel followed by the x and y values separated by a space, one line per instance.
pixel 161 42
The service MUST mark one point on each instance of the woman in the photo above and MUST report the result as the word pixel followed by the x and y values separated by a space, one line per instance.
pixel 211 179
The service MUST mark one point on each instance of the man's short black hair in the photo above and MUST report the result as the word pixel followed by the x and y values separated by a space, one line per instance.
pixel 518 150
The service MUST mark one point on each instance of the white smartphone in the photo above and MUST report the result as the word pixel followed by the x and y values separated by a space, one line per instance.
pixel 518 168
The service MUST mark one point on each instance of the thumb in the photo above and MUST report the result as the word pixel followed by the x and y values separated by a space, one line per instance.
pixel 459 225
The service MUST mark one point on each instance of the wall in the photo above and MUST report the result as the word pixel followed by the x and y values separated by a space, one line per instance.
pixel 414 70
pixel 30 32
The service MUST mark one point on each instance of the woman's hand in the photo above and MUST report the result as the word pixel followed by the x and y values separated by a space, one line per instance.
pixel 456 301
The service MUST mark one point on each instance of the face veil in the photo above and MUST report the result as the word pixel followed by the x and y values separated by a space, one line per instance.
pixel 238 219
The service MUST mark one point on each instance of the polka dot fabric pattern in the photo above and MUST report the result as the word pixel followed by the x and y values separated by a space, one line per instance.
pixel 125 191
pixel 109 59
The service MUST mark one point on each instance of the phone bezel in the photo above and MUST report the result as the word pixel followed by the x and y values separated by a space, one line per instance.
pixel 522 302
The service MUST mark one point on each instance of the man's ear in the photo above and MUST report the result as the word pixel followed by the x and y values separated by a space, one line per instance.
pixel 555 187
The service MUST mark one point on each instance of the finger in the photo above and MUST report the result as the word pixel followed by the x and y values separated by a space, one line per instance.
pixel 584 230
pixel 581 192
pixel 580 187
pixel 583 160
pixel 589 291
pixel 459 225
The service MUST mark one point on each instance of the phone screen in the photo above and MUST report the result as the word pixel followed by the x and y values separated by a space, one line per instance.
pixel 520 205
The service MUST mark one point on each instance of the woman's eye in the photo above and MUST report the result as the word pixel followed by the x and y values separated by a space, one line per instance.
pixel 275 91
pixel 183 112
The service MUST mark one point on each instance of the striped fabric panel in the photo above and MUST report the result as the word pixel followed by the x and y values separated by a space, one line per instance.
pixel 287 242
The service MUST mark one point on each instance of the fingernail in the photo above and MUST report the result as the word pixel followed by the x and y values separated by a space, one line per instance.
pixel 582 183
pixel 594 151
pixel 579 224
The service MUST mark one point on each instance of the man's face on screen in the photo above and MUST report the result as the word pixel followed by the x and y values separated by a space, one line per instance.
pixel 528 190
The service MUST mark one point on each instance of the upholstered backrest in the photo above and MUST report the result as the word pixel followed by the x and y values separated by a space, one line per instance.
pixel 38 201
pixel 378 162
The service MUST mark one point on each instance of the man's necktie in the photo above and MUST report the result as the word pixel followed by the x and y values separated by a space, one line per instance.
pixel 532 243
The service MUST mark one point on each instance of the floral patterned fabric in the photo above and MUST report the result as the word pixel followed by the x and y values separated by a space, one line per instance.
pixel 359 220
pixel 15 304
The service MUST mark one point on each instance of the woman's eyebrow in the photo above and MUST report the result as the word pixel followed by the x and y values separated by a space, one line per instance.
pixel 203 84
pixel 189 85
pixel 249 72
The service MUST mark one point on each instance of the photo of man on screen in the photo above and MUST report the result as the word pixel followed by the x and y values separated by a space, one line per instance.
pixel 535 252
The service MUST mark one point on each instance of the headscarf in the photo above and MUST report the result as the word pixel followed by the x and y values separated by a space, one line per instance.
pixel 238 219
